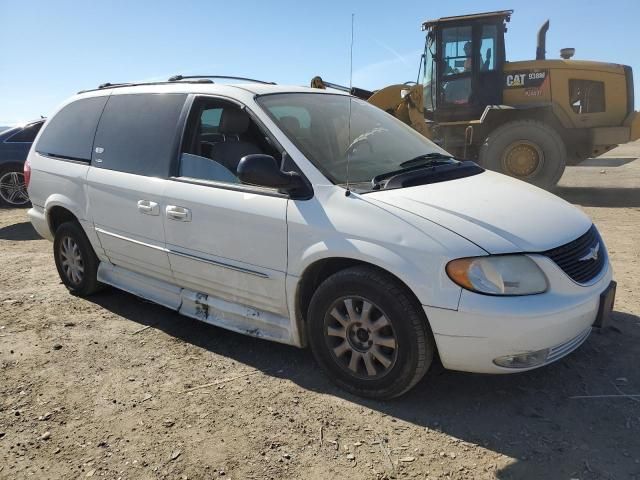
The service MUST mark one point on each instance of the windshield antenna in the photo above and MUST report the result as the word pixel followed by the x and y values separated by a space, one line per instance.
pixel 348 192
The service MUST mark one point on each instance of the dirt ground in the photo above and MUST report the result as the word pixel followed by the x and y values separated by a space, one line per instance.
pixel 87 391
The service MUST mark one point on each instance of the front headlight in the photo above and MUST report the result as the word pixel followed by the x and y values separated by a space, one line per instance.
pixel 498 275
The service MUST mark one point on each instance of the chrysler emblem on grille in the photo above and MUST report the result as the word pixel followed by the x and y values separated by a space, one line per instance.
pixel 592 255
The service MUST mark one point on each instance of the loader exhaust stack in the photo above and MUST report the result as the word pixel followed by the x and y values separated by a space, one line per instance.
pixel 541 49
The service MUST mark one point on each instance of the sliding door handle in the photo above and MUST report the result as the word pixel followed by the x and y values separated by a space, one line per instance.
pixel 180 214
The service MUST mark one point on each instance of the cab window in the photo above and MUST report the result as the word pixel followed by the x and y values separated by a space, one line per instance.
pixel 456 50
pixel 457 64
pixel 488 48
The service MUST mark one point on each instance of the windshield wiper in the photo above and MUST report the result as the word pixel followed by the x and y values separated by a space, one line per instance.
pixel 433 160
pixel 426 158
pixel 433 172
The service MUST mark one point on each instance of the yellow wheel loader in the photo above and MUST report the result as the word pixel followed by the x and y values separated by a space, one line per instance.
pixel 528 119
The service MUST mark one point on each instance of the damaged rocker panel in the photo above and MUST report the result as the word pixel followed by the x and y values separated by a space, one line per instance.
pixel 200 306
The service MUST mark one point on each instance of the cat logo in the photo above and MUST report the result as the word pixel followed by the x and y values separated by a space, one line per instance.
pixel 516 80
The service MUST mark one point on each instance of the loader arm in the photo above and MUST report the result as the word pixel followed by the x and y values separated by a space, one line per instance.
pixel 400 100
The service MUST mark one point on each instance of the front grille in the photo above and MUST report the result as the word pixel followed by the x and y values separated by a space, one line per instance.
pixel 576 258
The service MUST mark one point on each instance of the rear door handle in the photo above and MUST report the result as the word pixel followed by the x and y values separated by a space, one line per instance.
pixel 180 214
pixel 148 207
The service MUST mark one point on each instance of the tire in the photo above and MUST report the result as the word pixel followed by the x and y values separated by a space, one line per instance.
pixel 528 150
pixel 75 259
pixel 13 192
pixel 402 365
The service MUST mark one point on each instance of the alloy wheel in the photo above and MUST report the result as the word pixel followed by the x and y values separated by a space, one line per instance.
pixel 360 338
pixel 13 189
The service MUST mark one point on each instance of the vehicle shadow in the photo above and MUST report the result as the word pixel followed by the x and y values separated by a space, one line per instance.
pixel 19 232
pixel 530 417
pixel 600 197
pixel 604 162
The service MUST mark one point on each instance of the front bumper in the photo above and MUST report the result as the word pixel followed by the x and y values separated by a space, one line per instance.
pixel 488 327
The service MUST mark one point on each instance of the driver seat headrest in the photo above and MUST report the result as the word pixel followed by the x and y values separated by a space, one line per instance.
pixel 233 121
pixel 291 124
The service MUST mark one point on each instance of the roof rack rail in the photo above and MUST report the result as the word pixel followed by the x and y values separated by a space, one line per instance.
pixel 174 79
pixel 177 78
pixel 109 85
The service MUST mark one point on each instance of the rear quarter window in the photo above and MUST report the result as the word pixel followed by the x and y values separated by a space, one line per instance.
pixel 69 134
pixel 138 133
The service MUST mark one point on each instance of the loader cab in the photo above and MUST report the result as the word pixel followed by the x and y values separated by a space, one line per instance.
pixel 462 65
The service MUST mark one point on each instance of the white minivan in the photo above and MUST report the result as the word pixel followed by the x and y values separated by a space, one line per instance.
pixel 312 218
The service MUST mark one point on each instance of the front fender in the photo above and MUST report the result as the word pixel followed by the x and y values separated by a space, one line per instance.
pixel 421 273
pixel 333 225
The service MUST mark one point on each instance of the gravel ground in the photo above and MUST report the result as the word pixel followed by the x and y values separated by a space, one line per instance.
pixel 116 387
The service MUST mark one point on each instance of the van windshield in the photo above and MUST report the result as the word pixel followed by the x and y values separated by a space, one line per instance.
pixel 374 145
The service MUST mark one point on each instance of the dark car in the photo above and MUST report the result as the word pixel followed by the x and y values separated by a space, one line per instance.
pixel 14 147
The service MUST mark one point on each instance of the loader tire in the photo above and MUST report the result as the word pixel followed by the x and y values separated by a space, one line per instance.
pixel 528 150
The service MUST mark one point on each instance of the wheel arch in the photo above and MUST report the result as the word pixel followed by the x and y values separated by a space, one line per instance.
pixel 495 116
pixel 576 140
pixel 58 213
pixel 12 165
pixel 322 268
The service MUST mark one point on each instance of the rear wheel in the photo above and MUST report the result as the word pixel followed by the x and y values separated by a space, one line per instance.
pixel 368 333
pixel 75 259
pixel 13 190
pixel 528 150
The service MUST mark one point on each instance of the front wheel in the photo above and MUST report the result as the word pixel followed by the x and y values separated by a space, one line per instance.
pixel 369 334
pixel 528 150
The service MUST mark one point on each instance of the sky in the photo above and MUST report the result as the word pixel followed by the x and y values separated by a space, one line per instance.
pixel 49 50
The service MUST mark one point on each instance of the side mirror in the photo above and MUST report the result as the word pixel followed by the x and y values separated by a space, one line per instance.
pixel 263 170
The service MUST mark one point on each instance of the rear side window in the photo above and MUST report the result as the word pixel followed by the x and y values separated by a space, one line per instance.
pixel 210 120
pixel 586 96
pixel 26 135
pixel 69 134
pixel 138 133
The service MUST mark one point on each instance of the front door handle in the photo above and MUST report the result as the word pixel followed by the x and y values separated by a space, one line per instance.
pixel 180 214
pixel 148 207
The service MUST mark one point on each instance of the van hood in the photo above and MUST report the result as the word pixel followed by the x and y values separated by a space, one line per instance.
pixel 496 212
